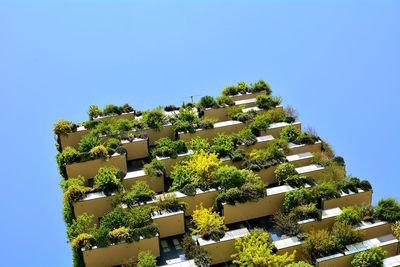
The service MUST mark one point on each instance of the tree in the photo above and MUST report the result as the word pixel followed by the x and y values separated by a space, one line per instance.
pixel 79 226
pixel 257 249
pixel 388 210
pixel 372 257
pixel 283 171
pixel 345 234
pixel 351 215
pixel 319 244
pixel 146 259
pixel 208 223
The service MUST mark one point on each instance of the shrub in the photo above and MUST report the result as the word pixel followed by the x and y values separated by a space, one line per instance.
pixel 242 87
pixel 230 196
pixel 203 165
pixel 245 137
pixel 237 155
pixel 62 127
pixel 260 123
pixel 198 143
pixel 325 190
pixel 206 123
pixel 297 198
pixel 140 192
pixel 257 249
pixel 189 190
pixel 351 215
pixel 189 247
pixel 299 180
pixel 276 115
pixel 98 152
pixel 223 145
pixel 138 217
pixel 225 100
pixel 208 223
pixel 289 133
pixel 183 126
pixel 146 259
pixel 299 264
pixel 229 177
pixel 126 108
pixel 286 224
pixel 308 211
pixel 234 111
pixel 339 161
pixel 202 259
pixel 368 212
pixel 283 171
pixel 113 220
pixel 79 226
pixel 344 234
pixel 266 102
pixel 306 139
pixel 74 193
pixel 165 147
pixel 181 175
pixel 261 85
pixel 388 210
pixel 187 114
pixel 396 229
pixel 94 111
pixel 155 168
pixel 319 244
pixel 112 110
pixel 119 234
pixel 252 191
pixel 372 257
pixel 83 240
pixel 113 143
pixel 154 119
pixel 64 184
pixel 171 203
pixel 67 156
pixel 207 102
pixel 106 180
pixel 230 91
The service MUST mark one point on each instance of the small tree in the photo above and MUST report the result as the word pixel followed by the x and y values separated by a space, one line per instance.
pixel 319 244
pixel 208 223
pixel 140 192
pixel 257 249
pixel 351 215
pixel 229 177
pixel 106 180
pixel 283 171
pixel 344 234
pixel 372 257
pixel 388 210
pixel 146 259
pixel 79 226
pixel 289 133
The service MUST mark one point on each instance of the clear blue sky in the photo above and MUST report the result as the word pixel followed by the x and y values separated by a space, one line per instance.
pixel 336 62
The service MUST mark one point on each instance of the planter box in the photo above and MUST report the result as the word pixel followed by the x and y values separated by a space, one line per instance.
pixel 301 159
pixel 118 254
pixel 227 127
pixel 219 114
pixel 221 251
pixel 171 162
pixel 297 149
pixel 96 204
pixel 88 169
pixel 170 223
pixel 290 245
pixel 156 183
pixel 187 263
pixel 387 242
pixel 259 110
pixel 248 103
pixel 153 134
pixel 137 149
pixel 129 116
pixel 347 200
pixel 207 198
pixel 265 206
pixel 247 96
pixel 262 143
pixel 326 222
pixel 392 261
pixel 374 229
pixel 276 128
pixel 72 139
pixel 313 170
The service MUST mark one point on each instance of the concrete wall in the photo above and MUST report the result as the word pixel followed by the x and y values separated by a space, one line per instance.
pixel 299 253
pixel 72 139
pixel 88 169
pixel 247 96
pixel 96 206
pixel 170 224
pixel 156 183
pixel 348 200
pixel 220 114
pixel 276 131
pixel 137 149
pixel 377 231
pixel 129 116
pixel 154 135
pixel 209 134
pixel 207 199
pixel 306 148
pixel 121 253
pixel 326 223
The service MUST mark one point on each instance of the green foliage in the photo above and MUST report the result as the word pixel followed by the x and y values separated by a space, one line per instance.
pixel 138 217
pixel 299 264
pixel 351 215
pixel 261 85
pixel 295 198
pixel 154 119
pixel 189 247
pixel 74 193
pixel 67 212
pixel 198 143
pixel 262 159
pixel 140 192
pixel 106 180
pixel 114 219
pixel 388 210
pixel 339 161
pixel 344 234
pixel 396 229
pixel 154 168
pixel 79 226
pixel 181 175
pixel 242 87
pixel 184 126
pixel 286 224
pixel 325 190
pixel 171 203
pixel 245 137
pixel 207 102
pixel 289 133
pixel 126 108
pixel 257 249
pixel 113 143
pixel 189 190
pixel 165 147
pixel 98 152
pixel 67 156
pixel 202 259
pixel 94 111
pixel 119 234
pixel 146 259
pixel 372 257
pixel 203 165
pixel 299 180
pixel 266 102
pixel 234 111
pixel 83 240
pixel 319 244
pixel 229 177
pixel 62 127
pixel 308 211
pixel 223 145
pixel 208 223
pixel 188 115
pixel 260 123
pixel 225 100
pixel 64 184
pixel 237 155
pixel 206 123
pixel 112 110
pixel 306 139
pixel 230 91
pixel 283 171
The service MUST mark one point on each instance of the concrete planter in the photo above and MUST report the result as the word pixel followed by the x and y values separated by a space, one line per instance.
pixel 327 220
pixel 73 139
pixel 262 143
pixel 221 251
pixel 297 149
pixel 207 198
pixel 276 128
pixel 247 96
pixel 153 134
pixel 137 149
pixel 89 169
pixel 386 242
pixel 374 229
pixel 169 223
pixel 156 183
pixel 118 254
pixel 128 116
pixel 347 200
pixel 226 127
pixel 171 162
pixel 290 245
pixel 96 204
pixel 313 170
pixel 219 114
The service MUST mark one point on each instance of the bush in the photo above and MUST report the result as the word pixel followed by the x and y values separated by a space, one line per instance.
pixel 112 110
pixel 261 85
pixel 368 212
pixel 319 244
pixel 283 171
pixel 225 100
pixel 372 257
pixel 260 123
pixel 299 180
pixel 170 108
pixel 181 176
pixel 286 224
pixel 299 264
pixel 396 229
pixel 208 223
pixel 146 259
pixel 79 226
pixel 62 127
pixel 165 147
pixel 74 193
pixel 245 137
pixel 98 152
pixel 140 192
pixel 94 112
pixel 189 190
pixel 113 143
pixel 297 198
pixel 67 156
pixel 64 184
pixel 257 249
pixel 289 133
pixel 187 114
pixel 207 102
pixel 84 240
pixel 138 217
pixel 339 161
pixel 242 87
pixel 266 102
pixel 230 91
pixel 325 190
pixel 106 180
pixel 119 234
pixel 229 177
pixel 203 165
pixel 237 155
pixel 308 211
pixel 113 220
pixel 344 234
pixel 234 111
pixel 388 210
pixel 183 126
pixel 198 143
pixel 170 203
pixel 351 215
pixel 202 259
pixel 155 168
pixel 189 247
pixel 206 123
pixel 154 119
pixel 126 108
pixel 230 196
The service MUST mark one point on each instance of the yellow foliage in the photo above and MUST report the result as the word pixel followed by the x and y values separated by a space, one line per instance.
pixel 204 164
